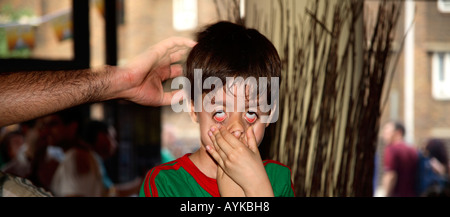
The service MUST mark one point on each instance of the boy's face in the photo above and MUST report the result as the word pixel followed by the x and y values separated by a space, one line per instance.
pixel 236 120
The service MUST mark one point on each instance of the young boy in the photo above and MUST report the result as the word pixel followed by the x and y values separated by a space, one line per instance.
pixel 228 162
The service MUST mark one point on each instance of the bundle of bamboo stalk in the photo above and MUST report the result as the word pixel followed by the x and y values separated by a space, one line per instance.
pixel 337 60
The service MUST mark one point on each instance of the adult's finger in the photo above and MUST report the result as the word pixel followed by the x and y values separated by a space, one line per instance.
pixel 172 97
pixel 178 55
pixel 176 70
pixel 175 42
pixel 179 41
pixel 173 45
pixel 172 71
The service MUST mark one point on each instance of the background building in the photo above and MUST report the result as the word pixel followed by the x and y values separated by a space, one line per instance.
pixel 430 72
pixel 423 73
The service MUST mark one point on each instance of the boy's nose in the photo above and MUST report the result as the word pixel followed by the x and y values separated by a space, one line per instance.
pixel 237 134
pixel 236 128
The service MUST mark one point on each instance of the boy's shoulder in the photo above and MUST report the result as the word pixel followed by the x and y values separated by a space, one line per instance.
pixel 169 167
pixel 158 175
pixel 178 178
pixel 265 162
pixel 272 164
pixel 276 170
pixel 280 178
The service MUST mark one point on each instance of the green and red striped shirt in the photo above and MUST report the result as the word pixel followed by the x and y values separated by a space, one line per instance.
pixel 181 178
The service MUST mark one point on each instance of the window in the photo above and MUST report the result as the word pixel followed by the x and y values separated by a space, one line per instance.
pixel 44 35
pixel 444 5
pixel 41 30
pixel 441 75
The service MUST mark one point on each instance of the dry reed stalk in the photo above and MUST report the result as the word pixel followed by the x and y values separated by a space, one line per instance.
pixel 335 66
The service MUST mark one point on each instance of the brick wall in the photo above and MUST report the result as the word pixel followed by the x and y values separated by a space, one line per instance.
pixel 430 114
pixel 431 117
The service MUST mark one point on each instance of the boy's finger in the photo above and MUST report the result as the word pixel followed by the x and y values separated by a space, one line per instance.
pixel 214 155
pixel 251 140
pixel 230 138
pixel 216 146
pixel 221 142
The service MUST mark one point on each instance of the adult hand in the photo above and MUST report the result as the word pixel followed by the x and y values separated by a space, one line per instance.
pixel 240 161
pixel 28 95
pixel 141 80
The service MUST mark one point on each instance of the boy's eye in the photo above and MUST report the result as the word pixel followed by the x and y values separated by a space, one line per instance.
pixel 219 116
pixel 251 117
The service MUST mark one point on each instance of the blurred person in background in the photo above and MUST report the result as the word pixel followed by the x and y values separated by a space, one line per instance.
pixel 58 132
pixel 15 146
pixel 433 170
pixel 10 147
pixel 400 163
pixel 21 164
pixel 78 174
pixel 101 138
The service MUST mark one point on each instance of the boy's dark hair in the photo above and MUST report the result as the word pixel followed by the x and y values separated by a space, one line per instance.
pixel 226 49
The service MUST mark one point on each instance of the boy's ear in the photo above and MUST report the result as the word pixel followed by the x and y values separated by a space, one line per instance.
pixel 192 113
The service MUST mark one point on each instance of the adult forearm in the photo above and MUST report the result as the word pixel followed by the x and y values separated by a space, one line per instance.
pixel 27 95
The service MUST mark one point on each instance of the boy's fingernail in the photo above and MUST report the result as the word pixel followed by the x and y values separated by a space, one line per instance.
pixel 213 129
pixel 210 133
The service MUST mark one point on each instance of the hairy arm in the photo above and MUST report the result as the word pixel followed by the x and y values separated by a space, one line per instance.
pixel 27 95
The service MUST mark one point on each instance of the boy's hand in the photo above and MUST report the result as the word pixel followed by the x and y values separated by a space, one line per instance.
pixel 227 186
pixel 241 162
